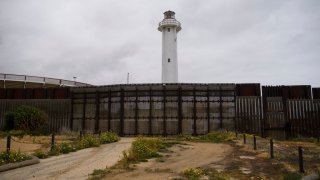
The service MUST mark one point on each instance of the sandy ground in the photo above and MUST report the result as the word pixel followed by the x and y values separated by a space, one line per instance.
pixel 75 165
pixel 177 159
pixel 28 144
pixel 18 146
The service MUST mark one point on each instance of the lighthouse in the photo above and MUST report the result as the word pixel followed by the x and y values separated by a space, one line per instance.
pixel 169 27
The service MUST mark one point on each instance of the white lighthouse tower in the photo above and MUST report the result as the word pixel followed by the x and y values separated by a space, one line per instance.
pixel 169 27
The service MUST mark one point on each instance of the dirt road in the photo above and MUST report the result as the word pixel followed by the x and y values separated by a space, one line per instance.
pixel 178 158
pixel 75 165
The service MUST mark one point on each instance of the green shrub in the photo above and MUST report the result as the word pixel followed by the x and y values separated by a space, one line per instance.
pixel 62 148
pixel 108 137
pixel 141 149
pixel 40 154
pixel 66 148
pixel 87 141
pixel 55 151
pixel 29 119
pixel 292 176
pixel 193 174
pixel 13 157
pixel 144 148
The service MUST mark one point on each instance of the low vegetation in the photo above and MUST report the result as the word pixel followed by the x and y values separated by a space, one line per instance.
pixel 214 137
pixel 41 154
pixel 98 174
pixel 13 157
pixel 87 141
pixel 200 173
pixel 16 133
pixel 292 176
pixel 108 137
pixel 65 144
pixel 142 148
pixel 193 174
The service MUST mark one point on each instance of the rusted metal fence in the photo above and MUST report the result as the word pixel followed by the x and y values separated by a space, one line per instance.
pixel 275 117
pixel 58 110
pixel 169 109
pixel 35 93
pixel 304 117
pixel 249 115
pixel 154 109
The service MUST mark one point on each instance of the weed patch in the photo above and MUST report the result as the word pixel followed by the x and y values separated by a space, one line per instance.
pixel 41 154
pixel 193 174
pixel 214 137
pixel 98 174
pixel 199 173
pixel 13 157
pixel 66 148
pixel 292 176
pixel 54 151
pixel 108 137
pixel 158 170
pixel 213 174
pixel 87 141
pixel 142 149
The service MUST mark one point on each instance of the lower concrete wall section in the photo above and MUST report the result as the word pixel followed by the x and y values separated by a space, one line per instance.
pixel 154 109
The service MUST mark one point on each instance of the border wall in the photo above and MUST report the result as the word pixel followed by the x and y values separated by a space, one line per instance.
pixel 159 109
pixel 155 109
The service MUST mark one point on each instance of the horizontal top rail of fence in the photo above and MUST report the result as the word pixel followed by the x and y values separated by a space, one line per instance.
pixel 43 80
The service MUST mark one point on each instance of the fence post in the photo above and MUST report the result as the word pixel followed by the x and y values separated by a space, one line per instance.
pixel 237 134
pixel 52 141
pixel 99 133
pixel 301 168
pixel 254 142
pixel 271 149
pixel 8 143
pixel 244 138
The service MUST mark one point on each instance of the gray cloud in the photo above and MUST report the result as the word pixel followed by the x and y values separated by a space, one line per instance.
pixel 269 42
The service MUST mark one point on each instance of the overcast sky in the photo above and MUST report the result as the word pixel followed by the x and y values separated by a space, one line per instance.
pixel 272 42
